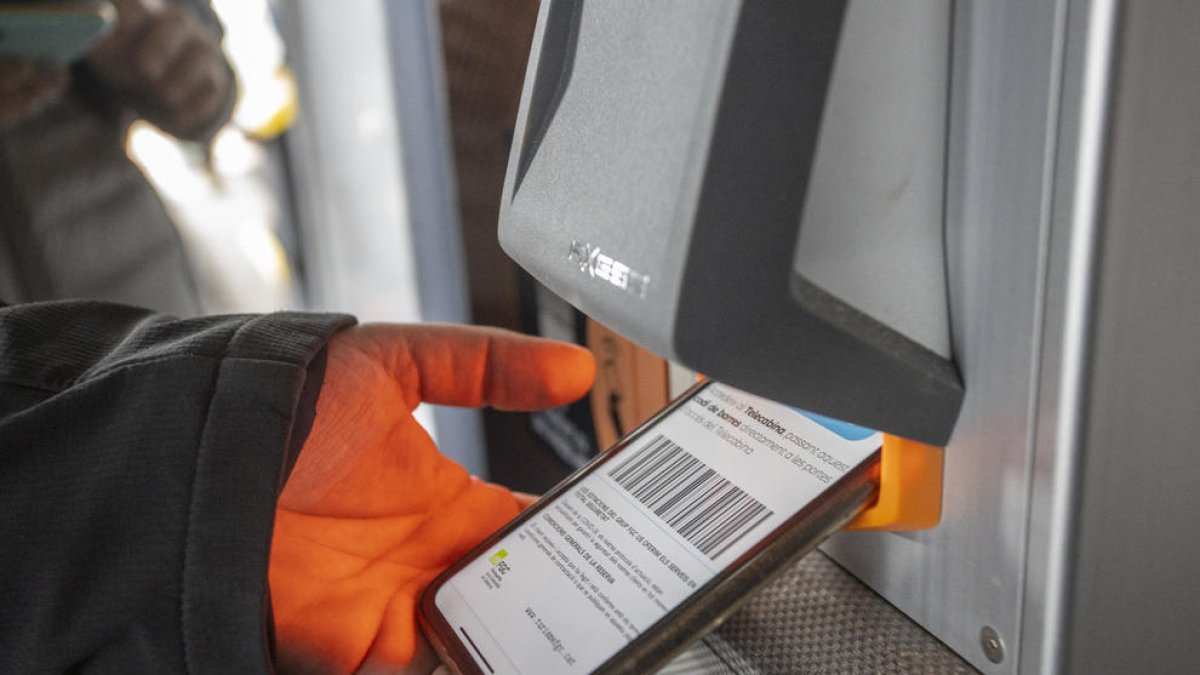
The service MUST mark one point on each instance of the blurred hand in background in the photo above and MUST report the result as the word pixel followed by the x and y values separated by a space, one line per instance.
pixel 167 64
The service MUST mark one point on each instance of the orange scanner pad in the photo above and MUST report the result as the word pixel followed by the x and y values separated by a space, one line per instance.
pixel 910 488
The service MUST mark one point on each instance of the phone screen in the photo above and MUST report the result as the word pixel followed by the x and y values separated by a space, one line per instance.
pixel 681 501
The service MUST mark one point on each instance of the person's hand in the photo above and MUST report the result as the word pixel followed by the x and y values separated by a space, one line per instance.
pixel 25 89
pixel 372 511
pixel 167 64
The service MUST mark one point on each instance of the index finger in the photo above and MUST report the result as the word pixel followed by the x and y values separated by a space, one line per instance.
pixel 473 366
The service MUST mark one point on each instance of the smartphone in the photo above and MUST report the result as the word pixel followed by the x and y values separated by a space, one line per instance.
pixel 651 544
pixel 53 33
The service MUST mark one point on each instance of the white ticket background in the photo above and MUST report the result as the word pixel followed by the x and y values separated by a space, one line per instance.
pixel 607 559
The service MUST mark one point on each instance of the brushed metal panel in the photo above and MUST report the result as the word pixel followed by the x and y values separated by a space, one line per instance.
pixel 1071 252
pixel 1121 544
pixel 968 573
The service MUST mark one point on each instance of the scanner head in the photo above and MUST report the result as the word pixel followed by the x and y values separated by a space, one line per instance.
pixel 660 180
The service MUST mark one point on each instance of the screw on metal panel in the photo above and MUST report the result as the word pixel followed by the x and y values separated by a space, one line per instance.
pixel 993 646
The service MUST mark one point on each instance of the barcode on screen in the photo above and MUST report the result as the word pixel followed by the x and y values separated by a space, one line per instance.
pixel 698 503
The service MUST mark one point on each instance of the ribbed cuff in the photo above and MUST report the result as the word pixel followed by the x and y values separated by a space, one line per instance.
pixel 261 410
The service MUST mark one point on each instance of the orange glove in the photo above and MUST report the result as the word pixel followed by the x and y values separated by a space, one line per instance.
pixel 372 511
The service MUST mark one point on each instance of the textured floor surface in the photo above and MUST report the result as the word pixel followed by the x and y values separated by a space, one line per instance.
pixel 817 618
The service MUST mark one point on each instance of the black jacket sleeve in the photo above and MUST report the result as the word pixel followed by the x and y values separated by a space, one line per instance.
pixel 140 461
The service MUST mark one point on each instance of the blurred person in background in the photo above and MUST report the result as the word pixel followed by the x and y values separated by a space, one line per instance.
pixel 218 494
pixel 77 217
